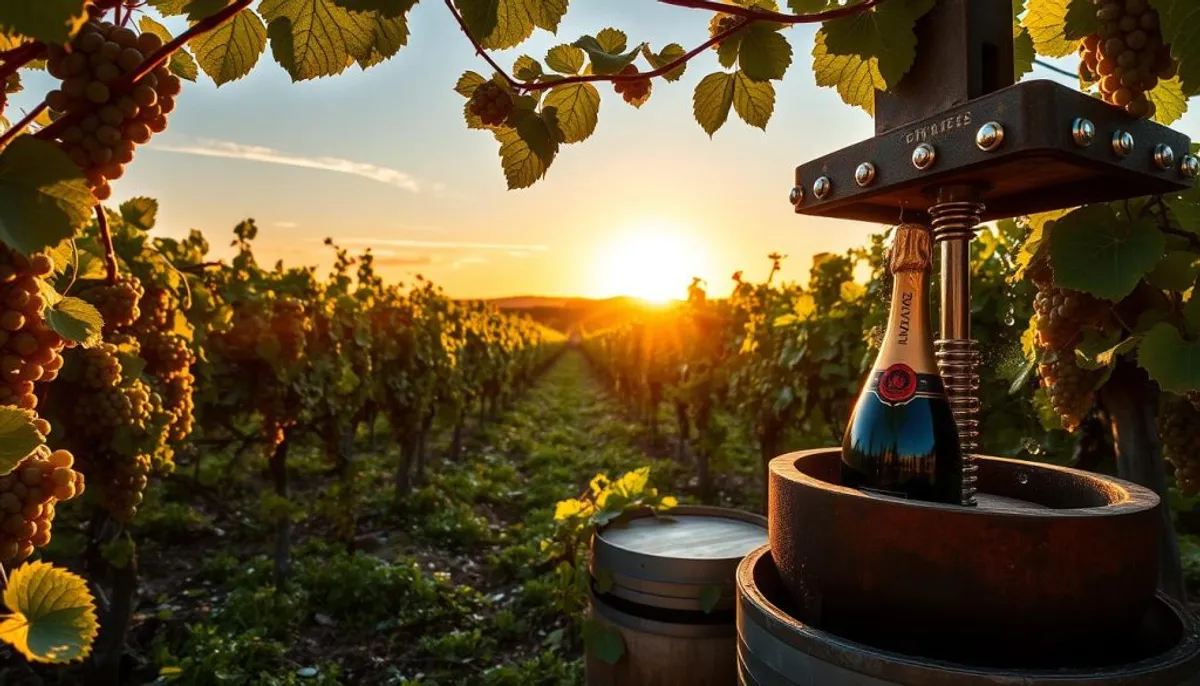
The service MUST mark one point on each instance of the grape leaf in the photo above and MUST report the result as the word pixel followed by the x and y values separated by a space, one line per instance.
pixel 181 62
pixel 315 38
pixel 75 320
pixel 712 100
pixel 500 24
pixel 578 109
pixel 855 78
pixel 603 640
pixel 385 8
pixel 1175 271
pixel 53 614
pixel 565 59
pixel 140 212
pixel 612 41
pixel 669 54
pixel 808 6
pixel 604 62
pixel 18 437
pixel 199 9
pixel 1096 350
pixel 527 151
pixel 1180 21
pixel 527 69
pixel 765 54
pixel 754 101
pixel 389 35
pixel 230 51
pixel 44 197
pixel 548 13
pixel 50 21
pixel 730 46
pixel 468 82
pixel 1170 360
pixel 1169 101
pixel 1023 52
pixel 1091 250
pixel 1057 25
pixel 883 37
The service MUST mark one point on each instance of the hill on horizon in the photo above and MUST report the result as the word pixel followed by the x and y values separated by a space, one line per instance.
pixel 568 314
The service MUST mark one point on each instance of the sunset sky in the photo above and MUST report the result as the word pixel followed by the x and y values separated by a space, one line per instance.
pixel 382 158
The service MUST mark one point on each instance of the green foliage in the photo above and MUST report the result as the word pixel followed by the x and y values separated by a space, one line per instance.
pixel 43 195
pixel 18 437
pixel 1181 29
pixel 53 21
pixel 52 614
pixel 231 51
pixel 1096 250
pixel 1056 26
pixel 75 320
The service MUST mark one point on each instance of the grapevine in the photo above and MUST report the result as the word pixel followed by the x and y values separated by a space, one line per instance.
pixel 1126 57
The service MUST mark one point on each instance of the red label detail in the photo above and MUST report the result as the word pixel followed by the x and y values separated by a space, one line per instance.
pixel 898 383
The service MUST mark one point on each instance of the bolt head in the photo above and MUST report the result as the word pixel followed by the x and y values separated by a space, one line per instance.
pixel 990 136
pixel 1164 156
pixel 1122 143
pixel 923 156
pixel 822 187
pixel 864 175
pixel 1083 131
pixel 1190 166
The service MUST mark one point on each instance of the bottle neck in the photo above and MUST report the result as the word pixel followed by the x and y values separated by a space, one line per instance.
pixel 908 338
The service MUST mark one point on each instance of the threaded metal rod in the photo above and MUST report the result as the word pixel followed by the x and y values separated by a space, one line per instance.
pixel 955 219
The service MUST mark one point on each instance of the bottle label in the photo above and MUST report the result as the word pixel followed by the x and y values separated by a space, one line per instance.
pixel 899 384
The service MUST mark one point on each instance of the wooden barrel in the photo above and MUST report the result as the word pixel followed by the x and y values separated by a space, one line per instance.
pixel 667 585
pixel 775 649
pixel 1053 561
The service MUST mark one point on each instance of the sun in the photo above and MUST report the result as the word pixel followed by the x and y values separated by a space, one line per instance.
pixel 651 261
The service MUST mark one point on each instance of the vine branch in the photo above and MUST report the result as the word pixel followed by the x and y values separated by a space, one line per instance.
pixel 19 57
pixel 110 255
pixel 12 131
pixel 748 15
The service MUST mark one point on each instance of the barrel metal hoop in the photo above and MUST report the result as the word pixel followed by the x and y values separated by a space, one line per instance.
pixel 651 626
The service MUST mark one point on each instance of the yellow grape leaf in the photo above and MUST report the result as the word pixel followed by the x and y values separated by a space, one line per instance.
pixel 855 78
pixel 53 614
pixel 1170 103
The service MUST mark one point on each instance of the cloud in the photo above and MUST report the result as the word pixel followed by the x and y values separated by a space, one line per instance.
pixel 444 245
pixel 403 260
pixel 207 147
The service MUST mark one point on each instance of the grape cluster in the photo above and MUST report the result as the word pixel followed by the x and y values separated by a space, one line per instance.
pixel 635 92
pixel 1126 56
pixel 1179 429
pixel 28 495
pixel 111 121
pixel 1063 314
pixel 491 103
pixel 118 303
pixel 29 349
pixel 1072 391
pixel 122 479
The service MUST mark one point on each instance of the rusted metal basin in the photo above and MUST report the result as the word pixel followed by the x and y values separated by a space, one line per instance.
pixel 776 649
pixel 1053 561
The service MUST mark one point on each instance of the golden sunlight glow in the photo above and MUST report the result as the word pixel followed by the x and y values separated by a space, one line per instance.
pixel 651 261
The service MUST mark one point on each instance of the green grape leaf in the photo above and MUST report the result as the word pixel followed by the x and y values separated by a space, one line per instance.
pixel 199 9
pixel 578 109
pixel 527 69
pixel 1093 251
pixel 1096 350
pixel 868 50
pixel 44 197
pixel 669 54
pixel 1056 26
pixel 1175 271
pixel 230 51
pixel 729 49
pixel 612 41
pixel 75 320
pixel 468 82
pixel 315 38
pixel 548 13
pixel 603 640
pixel 388 36
pixel 53 614
pixel 712 100
pixel 808 6
pixel 754 101
pixel 1170 103
pixel 565 59
pixel 1023 52
pixel 181 62
pixel 1180 22
pixel 527 151
pixel 1170 360
pixel 49 21
pixel 765 54
pixel 500 24
pixel 140 212
pixel 1191 312
pixel 385 8
pixel 709 597
pixel 18 437
pixel 604 62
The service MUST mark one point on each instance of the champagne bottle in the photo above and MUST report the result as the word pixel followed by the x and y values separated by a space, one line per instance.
pixel 901 439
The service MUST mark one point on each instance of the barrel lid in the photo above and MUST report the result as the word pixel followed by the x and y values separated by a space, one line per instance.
pixel 672 560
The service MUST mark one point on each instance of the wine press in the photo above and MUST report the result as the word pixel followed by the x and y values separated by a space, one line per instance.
pixel 957 143
pixel 1050 574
